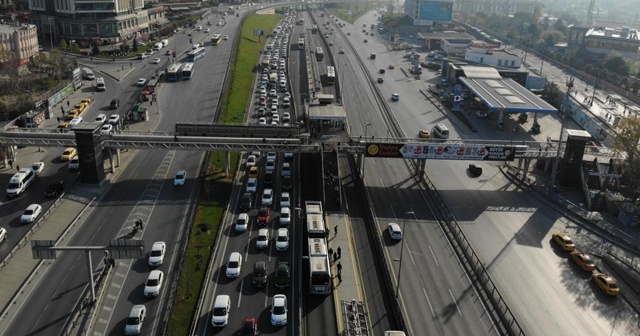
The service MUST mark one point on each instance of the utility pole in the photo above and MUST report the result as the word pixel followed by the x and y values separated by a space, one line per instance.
pixel 556 162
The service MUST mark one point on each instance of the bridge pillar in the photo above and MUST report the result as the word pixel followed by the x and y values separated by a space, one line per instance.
pixel 520 160
pixel 422 164
pixel 547 165
pixel 89 143
pixel 227 159
pixel 111 165
pixel 501 120
pixel 360 163
pixel 525 171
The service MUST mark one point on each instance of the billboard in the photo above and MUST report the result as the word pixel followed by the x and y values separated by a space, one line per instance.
pixel 435 11
pixel 441 151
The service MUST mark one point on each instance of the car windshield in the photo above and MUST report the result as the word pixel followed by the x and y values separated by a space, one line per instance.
pixel 133 320
pixel 282 238
pixel 568 241
pixel 233 264
pixel 28 212
pixel 262 238
pixel 278 310
pixel 152 282
pixel 262 213
pixel 613 285
pixel 220 311
pixel 156 253
pixel 284 215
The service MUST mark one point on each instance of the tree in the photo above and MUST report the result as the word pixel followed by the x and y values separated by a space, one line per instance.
pixel 95 49
pixel 63 44
pixel 627 140
pixel 551 37
pixel 135 45
pixel 551 94
pixel 617 64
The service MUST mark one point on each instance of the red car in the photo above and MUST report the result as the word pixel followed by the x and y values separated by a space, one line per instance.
pixel 263 216
pixel 249 327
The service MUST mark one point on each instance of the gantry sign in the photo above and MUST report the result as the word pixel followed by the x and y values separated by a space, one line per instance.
pixel 442 151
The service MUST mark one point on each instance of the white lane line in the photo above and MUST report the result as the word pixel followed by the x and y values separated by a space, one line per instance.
pixel 433 313
pixel 434 256
pixel 454 302
pixel 240 296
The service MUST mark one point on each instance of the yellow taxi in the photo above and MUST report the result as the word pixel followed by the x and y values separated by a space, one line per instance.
pixel 68 153
pixel 583 261
pixel 425 134
pixel 607 283
pixel 253 172
pixel 63 126
pixel 564 241
pixel 73 114
pixel 79 107
pixel 87 101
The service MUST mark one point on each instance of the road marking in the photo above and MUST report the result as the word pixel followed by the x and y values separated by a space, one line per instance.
pixel 434 256
pixel 426 296
pixel 454 302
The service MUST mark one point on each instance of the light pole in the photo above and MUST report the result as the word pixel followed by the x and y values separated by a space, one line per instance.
pixel 404 224
pixel 366 127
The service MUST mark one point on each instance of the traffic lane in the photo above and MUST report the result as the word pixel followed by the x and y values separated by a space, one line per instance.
pixel 510 230
pixel 448 301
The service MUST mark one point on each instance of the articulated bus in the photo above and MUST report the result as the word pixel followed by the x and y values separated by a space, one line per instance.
pixel 174 72
pixel 319 54
pixel 314 29
pixel 315 226
pixel 196 54
pixel 187 71
pixel 331 75
pixel 216 39
pixel 319 268
pixel 300 43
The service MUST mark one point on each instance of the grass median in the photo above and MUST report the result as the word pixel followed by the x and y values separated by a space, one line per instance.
pixel 216 189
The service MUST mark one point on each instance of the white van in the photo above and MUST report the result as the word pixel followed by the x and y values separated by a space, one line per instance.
pixel 88 74
pixel 440 131
pixel 100 84
pixel 220 311
pixel 157 46
pixel 20 181
pixel 165 42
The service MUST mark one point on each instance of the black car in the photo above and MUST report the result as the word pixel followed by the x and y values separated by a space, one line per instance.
pixel 282 275
pixel 260 274
pixel 246 201
pixel 114 104
pixel 287 183
pixel 55 188
pixel 268 178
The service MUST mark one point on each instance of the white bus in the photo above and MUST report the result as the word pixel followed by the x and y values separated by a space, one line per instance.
pixel 187 70
pixel 174 72
pixel 319 267
pixel 300 43
pixel 315 226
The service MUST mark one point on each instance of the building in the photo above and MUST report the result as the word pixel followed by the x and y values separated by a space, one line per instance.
pixel 429 12
pixel 453 42
pixel 498 7
pixel 18 42
pixel 82 20
pixel 488 54
pixel 601 41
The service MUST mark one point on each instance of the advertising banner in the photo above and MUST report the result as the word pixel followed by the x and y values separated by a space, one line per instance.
pixel 441 151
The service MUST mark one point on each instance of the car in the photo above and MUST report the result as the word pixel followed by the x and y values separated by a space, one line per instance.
pixel 101 118
pixel 31 213
pixel 286 169
pixel 287 183
pixel 150 52
pixel 242 223
pixel 583 261
pixel 249 327
pixel 260 274
pixel 156 61
pixel 252 185
pixel 275 120
pixel 246 202
pixel 37 167
pixel 270 166
pixel 55 188
pixel 75 121
pixel 153 284
pixel 74 163
pixel 114 119
pixel 285 200
pixel 254 172
pixel 395 97
pixel 68 154
pixel 331 44
pixel 142 56
pixel 199 28
pixel 200 45
pixel 282 239
pixel 267 178
pixel 251 161
pixel 225 37
pixel 218 23
pixel 180 178
pixel 282 276
pixel 3 234
pixel 607 283
pixel 156 256
pixel 133 324
pixel 394 230
pixel 425 134
pixel 262 111
pixel 348 33
pixel 564 241
pixel 273 93
pixel 141 82
pixel 264 215
pixel 279 310
pixel 115 103
pixel 168 52
pixel 475 170
pixel 106 129
pixel 380 80
pixel 391 66
pixel 365 41
pixel 267 197
pixel 234 265
pixel 208 30
pixel 286 117
pixel 271 156
pixel 285 216
pixel 262 240
pixel 288 155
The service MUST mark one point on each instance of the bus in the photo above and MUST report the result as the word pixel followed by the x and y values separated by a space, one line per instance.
pixel 319 54
pixel 315 226
pixel 196 54
pixel 174 72
pixel 300 43
pixel 187 71
pixel 314 29
pixel 331 75
pixel 319 268
pixel 216 39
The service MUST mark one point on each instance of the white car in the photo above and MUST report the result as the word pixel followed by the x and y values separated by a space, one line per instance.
pixel 282 240
pixel 252 185
pixel 37 167
pixel 288 155
pixel 114 119
pixel 133 325
pixel 273 93
pixel 286 117
pixel 242 223
pixel 153 284
pixel 226 37
pixel 279 310
pixel 156 256
pixel 156 60
pixel 234 265
pixel 31 213
pixel 271 156
pixel 262 241
pixel 180 179
pixel 275 119
pixel 395 232
pixel 270 166
pixel 200 28
pixel 74 122
pixel 267 197
pixel 251 161
pixel 395 97
pixel 3 234
pixel 208 30
pixel 285 216
pixel 262 121
pixel 141 82
pixel 285 201
pixel 101 118
pixel 286 169
pixel 106 129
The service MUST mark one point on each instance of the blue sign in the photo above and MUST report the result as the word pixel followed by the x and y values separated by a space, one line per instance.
pixel 435 11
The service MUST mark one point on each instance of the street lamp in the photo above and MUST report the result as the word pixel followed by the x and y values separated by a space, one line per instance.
pixel 404 224
pixel 366 127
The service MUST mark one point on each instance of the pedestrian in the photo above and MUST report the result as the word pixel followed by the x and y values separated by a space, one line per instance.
pixel 11 163
pixel 58 118
pixel 62 109
pixel 335 230
pixel 18 167
pixel 339 268
pixel 326 232
pixel 335 254
pixel 330 251
pixel 339 278
pixel 68 103
pixel 339 252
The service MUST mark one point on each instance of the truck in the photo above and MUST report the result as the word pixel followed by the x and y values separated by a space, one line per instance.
pixel 273 78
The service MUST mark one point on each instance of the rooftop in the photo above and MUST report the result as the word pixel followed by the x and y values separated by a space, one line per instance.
pixel 622 33
pixel 9 29
pixel 446 34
